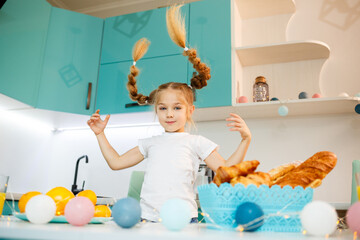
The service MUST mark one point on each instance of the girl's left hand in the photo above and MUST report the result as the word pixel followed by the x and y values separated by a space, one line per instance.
pixel 238 124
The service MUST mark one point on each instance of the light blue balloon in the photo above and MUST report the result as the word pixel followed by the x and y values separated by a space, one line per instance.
pixel 126 212
pixel 357 95
pixel 283 111
pixel 175 214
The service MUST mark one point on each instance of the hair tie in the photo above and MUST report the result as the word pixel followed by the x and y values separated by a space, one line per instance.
pixel 186 49
pixel 190 86
pixel 134 63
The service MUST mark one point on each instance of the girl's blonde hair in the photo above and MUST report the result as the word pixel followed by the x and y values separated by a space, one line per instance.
pixel 177 32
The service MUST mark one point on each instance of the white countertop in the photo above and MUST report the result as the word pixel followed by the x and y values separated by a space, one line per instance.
pixel 11 227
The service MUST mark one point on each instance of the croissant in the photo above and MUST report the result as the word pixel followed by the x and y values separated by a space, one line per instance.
pixel 316 167
pixel 256 178
pixel 225 174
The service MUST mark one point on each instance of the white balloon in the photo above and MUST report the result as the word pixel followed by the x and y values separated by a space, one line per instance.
pixel 40 209
pixel 319 218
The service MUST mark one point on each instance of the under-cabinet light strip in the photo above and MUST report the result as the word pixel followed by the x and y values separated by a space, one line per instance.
pixel 156 124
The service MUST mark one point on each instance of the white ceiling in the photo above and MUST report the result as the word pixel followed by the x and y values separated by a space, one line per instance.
pixel 110 8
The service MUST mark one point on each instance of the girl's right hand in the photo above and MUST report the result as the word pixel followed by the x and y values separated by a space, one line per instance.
pixel 96 124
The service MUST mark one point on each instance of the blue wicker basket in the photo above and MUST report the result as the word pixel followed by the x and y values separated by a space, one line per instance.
pixel 281 206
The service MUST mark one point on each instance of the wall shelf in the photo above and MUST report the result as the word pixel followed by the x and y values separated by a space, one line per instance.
pixel 283 52
pixel 300 107
pixel 259 8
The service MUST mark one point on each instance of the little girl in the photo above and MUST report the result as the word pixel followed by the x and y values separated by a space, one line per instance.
pixel 173 158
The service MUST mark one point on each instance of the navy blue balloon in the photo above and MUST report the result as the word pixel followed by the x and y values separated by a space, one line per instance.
pixel 247 212
pixel 126 212
pixel 357 108
pixel 303 95
pixel 274 99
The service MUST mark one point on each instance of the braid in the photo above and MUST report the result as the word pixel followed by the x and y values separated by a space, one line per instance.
pixel 176 29
pixel 139 50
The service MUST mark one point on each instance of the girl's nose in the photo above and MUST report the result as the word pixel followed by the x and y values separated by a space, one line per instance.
pixel 169 114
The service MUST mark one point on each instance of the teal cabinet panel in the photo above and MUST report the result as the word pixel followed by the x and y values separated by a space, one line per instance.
pixel 23 30
pixel 71 62
pixel 112 95
pixel 122 32
pixel 210 34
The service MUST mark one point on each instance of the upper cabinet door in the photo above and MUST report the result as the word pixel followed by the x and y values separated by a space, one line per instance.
pixel 23 30
pixel 112 95
pixel 210 34
pixel 71 62
pixel 121 33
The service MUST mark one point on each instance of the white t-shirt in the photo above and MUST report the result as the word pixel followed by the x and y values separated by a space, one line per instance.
pixel 172 164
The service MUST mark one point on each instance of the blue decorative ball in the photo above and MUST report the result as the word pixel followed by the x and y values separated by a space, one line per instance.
pixel 250 216
pixel 303 95
pixel 175 214
pixel 274 99
pixel 283 110
pixel 357 108
pixel 126 212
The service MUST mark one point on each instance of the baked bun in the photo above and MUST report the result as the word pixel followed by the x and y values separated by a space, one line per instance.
pixel 225 174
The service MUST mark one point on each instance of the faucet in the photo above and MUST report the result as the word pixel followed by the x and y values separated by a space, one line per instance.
pixel 74 186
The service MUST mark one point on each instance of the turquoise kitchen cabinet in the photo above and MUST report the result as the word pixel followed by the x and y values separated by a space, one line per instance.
pixel 23 31
pixel 121 33
pixel 71 62
pixel 49 55
pixel 210 34
pixel 112 95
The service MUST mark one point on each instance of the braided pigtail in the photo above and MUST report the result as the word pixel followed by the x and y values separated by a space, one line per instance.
pixel 176 29
pixel 139 50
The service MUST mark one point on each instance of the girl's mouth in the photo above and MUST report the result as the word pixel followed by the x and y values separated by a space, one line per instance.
pixel 170 122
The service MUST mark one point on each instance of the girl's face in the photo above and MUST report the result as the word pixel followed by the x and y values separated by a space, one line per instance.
pixel 173 111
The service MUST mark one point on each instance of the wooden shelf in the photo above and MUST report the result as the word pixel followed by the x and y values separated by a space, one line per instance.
pixel 283 52
pixel 301 107
pixel 260 8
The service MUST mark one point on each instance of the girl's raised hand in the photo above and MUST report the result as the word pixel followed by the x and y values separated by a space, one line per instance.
pixel 96 124
pixel 238 124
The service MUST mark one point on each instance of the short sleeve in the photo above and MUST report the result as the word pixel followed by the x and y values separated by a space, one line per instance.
pixel 205 147
pixel 144 146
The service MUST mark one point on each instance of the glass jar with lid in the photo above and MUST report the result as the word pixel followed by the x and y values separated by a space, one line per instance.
pixel 260 90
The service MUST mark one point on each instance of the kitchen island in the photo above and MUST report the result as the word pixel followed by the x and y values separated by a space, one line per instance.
pixel 13 228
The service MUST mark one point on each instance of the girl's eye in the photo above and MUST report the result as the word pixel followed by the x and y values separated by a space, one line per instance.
pixel 162 108
pixel 177 108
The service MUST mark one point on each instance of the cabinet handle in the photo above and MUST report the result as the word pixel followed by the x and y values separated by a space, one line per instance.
pixel 128 105
pixel 88 96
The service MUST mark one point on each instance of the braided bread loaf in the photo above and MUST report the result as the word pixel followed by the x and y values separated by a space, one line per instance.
pixel 256 178
pixel 311 172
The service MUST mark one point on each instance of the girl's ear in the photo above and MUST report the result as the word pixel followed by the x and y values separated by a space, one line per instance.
pixel 191 109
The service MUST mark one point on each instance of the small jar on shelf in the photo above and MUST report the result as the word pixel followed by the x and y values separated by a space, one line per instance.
pixel 260 90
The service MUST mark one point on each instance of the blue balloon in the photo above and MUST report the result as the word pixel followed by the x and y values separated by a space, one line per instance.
pixel 126 212
pixel 303 95
pixel 175 214
pixel 357 108
pixel 248 212
pixel 283 111
pixel 274 99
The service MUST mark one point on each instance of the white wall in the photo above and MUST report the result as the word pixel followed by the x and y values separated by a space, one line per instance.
pixel 37 159
pixel 336 23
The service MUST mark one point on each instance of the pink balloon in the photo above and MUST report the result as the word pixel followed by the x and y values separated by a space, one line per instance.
pixel 353 217
pixel 317 95
pixel 242 99
pixel 79 211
